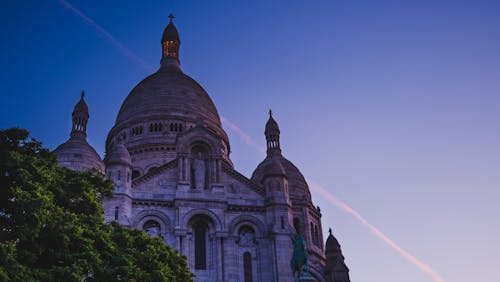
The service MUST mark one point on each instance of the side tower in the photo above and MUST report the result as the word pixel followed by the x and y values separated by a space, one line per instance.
pixel 119 170
pixel 76 153
pixel 289 206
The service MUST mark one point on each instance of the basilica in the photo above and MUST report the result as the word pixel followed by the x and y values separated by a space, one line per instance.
pixel 169 159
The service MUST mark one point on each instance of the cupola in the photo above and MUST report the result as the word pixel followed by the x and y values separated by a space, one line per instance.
pixel 76 153
pixel 170 43
pixel 272 133
pixel 80 117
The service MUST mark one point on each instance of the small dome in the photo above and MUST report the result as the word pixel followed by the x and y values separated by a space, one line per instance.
pixel 296 182
pixel 77 154
pixel 118 155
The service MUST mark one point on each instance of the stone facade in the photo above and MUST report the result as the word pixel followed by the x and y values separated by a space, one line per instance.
pixel 169 158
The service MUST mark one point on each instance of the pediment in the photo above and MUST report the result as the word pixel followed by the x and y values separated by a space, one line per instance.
pixel 238 184
pixel 156 174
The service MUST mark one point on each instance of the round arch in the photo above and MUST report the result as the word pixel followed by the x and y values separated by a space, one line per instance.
pixel 250 220
pixel 204 212
pixel 191 138
pixel 146 215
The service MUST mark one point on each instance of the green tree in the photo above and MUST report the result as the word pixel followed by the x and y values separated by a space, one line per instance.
pixel 52 226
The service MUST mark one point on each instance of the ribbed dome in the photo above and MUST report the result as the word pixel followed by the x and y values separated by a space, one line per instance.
pixel 78 155
pixel 168 92
pixel 296 182
pixel 119 155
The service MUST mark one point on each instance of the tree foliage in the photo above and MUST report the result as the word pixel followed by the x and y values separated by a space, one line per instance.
pixel 52 226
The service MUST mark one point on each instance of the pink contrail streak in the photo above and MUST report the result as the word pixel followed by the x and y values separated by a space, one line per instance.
pixel 124 50
pixel 343 206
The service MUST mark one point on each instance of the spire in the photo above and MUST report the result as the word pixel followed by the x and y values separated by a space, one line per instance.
pixel 80 117
pixel 170 43
pixel 335 268
pixel 272 133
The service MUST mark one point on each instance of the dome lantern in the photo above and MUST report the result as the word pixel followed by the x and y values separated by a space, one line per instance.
pixel 170 43
pixel 272 133
pixel 80 118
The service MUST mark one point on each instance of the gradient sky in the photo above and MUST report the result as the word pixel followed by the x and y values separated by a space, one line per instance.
pixel 392 106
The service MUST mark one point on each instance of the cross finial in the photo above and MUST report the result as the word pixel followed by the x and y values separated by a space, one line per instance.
pixel 171 17
pixel 83 94
pixel 330 230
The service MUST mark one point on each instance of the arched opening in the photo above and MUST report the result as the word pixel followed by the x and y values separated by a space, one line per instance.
pixel 247 267
pixel 296 225
pixel 246 236
pixel 152 228
pixel 200 230
pixel 117 210
pixel 313 234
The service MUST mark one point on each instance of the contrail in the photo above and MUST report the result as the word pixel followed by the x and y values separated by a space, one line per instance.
pixel 250 141
pixel 245 137
pixel 110 38
pixel 343 206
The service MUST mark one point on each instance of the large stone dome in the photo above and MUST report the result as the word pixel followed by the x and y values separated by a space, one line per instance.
pixel 168 92
pixel 160 108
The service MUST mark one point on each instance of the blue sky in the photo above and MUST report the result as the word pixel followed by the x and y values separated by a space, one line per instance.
pixel 392 106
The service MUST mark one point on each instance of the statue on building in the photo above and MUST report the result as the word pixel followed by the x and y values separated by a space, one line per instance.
pixel 199 172
pixel 299 262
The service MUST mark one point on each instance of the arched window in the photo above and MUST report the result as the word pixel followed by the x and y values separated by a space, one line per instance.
pixel 313 234
pixel 246 236
pixel 200 245
pixel 152 169
pixel 296 225
pixel 247 266
pixel 153 228
pixel 117 210
pixel 316 235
